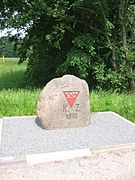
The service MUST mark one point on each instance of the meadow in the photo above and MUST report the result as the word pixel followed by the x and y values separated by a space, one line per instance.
pixel 17 100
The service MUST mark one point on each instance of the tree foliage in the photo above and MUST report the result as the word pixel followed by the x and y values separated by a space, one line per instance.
pixel 94 40
pixel 7 48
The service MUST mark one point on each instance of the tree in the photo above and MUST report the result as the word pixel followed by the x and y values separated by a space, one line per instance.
pixel 7 48
pixel 91 39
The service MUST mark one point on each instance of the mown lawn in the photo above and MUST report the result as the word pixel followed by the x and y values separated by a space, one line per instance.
pixel 15 100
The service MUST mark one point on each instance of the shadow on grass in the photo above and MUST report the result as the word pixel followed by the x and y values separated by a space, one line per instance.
pixel 12 80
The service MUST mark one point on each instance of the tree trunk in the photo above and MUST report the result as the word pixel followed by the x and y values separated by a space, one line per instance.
pixel 122 13
pixel 132 81
pixel 113 51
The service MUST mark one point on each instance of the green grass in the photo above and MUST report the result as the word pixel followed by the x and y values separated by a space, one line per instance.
pixel 11 74
pixel 15 100
pixel 18 102
pixel 23 102
pixel 123 104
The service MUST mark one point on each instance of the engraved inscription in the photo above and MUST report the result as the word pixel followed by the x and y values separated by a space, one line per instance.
pixel 77 107
pixel 71 113
pixel 65 108
pixel 72 116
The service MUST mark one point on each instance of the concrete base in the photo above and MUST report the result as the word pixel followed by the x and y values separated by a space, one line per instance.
pixel 21 136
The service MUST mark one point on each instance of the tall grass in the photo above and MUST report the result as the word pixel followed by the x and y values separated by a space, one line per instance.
pixel 18 102
pixel 123 104
pixel 15 100
pixel 11 74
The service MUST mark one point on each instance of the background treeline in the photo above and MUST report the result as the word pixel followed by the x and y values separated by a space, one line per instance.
pixel 7 48
pixel 92 39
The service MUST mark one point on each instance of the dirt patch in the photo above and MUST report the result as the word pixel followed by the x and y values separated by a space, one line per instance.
pixel 115 165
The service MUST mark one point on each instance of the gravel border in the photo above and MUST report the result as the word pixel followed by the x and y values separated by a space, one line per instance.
pixel 62 155
pixel 1 125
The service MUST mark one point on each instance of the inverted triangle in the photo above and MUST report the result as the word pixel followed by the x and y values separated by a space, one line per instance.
pixel 71 96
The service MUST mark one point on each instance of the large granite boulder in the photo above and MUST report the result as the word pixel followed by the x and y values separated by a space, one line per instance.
pixel 64 103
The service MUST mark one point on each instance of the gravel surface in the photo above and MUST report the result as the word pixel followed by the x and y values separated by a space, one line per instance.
pixel 116 165
pixel 22 136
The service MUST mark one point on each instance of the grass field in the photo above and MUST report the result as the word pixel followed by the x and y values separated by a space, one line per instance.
pixel 15 100
pixel 123 104
pixel 11 74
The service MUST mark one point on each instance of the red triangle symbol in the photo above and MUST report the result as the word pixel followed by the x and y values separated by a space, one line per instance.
pixel 71 96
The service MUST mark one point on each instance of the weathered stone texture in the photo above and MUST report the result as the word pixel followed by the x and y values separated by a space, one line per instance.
pixel 64 103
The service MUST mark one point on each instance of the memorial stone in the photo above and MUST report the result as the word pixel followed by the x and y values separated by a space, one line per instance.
pixel 64 103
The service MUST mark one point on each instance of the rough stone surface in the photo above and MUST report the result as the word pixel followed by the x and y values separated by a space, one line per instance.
pixel 64 103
